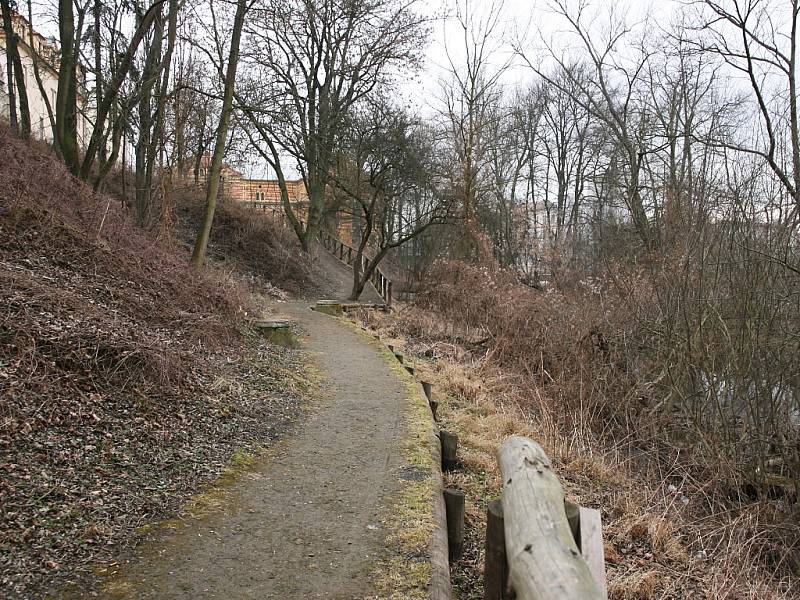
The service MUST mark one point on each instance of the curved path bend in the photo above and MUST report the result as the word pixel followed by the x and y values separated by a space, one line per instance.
pixel 306 523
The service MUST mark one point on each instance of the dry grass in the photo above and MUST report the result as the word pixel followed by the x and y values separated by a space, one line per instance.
pixel 253 243
pixel 669 530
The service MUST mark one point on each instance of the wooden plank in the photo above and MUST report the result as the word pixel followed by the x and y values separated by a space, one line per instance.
pixel 587 530
pixel 454 503
pixel 591 536
pixel 272 324
pixel 544 560
pixel 495 569
pixel 440 577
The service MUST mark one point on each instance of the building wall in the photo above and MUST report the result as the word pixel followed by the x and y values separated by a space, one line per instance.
pixel 264 195
pixel 48 51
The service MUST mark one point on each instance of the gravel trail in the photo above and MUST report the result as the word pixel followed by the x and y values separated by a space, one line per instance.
pixel 306 523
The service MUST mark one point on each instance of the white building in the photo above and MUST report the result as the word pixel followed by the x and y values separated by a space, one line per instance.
pixel 47 50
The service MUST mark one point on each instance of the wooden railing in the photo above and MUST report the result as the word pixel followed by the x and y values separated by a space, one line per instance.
pixel 347 254
pixel 537 545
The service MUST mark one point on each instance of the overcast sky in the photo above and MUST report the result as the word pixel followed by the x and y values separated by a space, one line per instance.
pixel 529 22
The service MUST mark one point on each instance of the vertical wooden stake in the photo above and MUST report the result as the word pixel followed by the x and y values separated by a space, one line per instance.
pixel 495 571
pixel 574 519
pixel 428 389
pixel 454 503
pixel 434 408
pixel 449 450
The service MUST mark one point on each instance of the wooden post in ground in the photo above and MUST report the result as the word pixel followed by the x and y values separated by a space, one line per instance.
pixel 449 450
pixel 389 296
pixel 454 502
pixel 544 561
pixel 427 387
pixel 587 530
pixel 434 409
pixel 495 570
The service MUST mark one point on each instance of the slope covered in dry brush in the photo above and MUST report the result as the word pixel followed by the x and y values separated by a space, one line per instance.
pixel 127 378
pixel 576 368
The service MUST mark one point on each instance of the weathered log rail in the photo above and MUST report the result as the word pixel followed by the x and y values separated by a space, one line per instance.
pixel 538 547
pixel 347 254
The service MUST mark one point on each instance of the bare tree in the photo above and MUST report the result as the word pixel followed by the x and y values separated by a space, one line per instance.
pixel 66 109
pixel 759 40
pixel 15 74
pixel 469 99
pixel 386 165
pixel 610 92
pixel 229 82
pixel 308 64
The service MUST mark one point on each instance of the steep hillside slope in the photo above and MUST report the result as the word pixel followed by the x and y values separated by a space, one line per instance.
pixel 127 378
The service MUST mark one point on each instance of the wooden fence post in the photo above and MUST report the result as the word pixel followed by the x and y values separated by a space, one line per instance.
pixel 449 450
pixel 454 503
pixel 495 570
pixel 544 561
pixel 434 409
pixel 587 530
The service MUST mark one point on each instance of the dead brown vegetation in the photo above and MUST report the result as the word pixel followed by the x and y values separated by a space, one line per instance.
pixel 251 242
pixel 116 363
pixel 573 367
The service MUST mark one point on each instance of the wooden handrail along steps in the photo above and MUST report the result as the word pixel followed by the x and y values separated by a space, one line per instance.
pixel 347 254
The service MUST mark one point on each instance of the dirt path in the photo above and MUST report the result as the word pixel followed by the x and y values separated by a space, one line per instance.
pixel 340 279
pixel 306 524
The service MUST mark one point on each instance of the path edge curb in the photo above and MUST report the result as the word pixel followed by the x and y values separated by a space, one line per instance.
pixel 440 562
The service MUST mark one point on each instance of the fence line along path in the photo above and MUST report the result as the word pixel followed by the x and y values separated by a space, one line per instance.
pixel 347 254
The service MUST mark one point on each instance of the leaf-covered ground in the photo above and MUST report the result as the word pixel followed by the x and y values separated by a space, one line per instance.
pixel 128 379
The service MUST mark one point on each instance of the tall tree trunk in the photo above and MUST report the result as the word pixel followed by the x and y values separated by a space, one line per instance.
pixel 13 71
pixel 111 90
pixel 156 136
pixel 199 253
pixel 66 97
pixel 147 82
pixel 98 69
pixel 35 60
